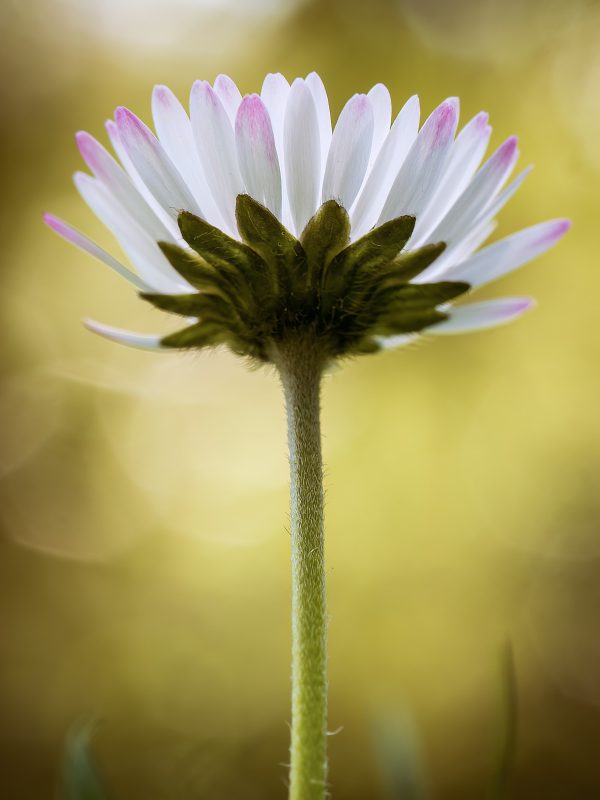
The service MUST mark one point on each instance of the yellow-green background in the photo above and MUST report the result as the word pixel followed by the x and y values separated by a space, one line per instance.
pixel 144 554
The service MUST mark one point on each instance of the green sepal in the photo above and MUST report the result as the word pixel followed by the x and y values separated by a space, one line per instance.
pixel 201 334
pixel 420 295
pixel 353 272
pixel 326 234
pixel 263 232
pixel 197 304
pixel 407 266
pixel 365 347
pixel 192 268
pixel 375 249
pixel 408 321
pixel 238 264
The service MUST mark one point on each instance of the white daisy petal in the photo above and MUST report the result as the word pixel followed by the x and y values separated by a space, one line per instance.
pixel 118 183
pixel 315 84
pixel 478 316
pixel 394 342
pixel 417 179
pixel 275 93
pixel 302 154
pixel 467 152
pixel 174 132
pixel 349 151
pixel 509 254
pixel 154 166
pixel 381 103
pixel 257 154
pixel 229 94
pixel 502 199
pixel 458 253
pixel 140 248
pixel 215 142
pixel 478 195
pixel 385 168
pixel 117 144
pixel 139 340
pixel 80 240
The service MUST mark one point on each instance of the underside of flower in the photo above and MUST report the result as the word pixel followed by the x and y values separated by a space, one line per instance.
pixel 271 287
pixel 256 219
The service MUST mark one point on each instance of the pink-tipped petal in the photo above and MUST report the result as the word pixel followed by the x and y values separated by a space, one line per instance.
pixel 465 157
pixel 509 254
pixel 140 341
pixel 302 154
pixel 215 142
pixel 349 152
pixel 479 316
pixel 275 93
pixel 257 154
pixel 81 241
pixel 418 177
pixel 459 250
pixel 174 132
pixel 478 195
pixel 117 144
pixel 385 168
pixel 229 95
pixel 154 166
pixel 141 249
pixel 116 180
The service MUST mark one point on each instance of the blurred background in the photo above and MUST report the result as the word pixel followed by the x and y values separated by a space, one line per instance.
pixel 144 575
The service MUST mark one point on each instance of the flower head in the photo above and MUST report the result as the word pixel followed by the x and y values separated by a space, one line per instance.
pixel 255 222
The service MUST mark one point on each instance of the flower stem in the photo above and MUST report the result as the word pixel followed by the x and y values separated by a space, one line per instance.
pixel 300 367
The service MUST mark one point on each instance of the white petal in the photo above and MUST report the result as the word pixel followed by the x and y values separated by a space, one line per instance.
pixel 80 240
pixel 302 154
pixel 478 316
pixel 478 195
pixel 481 228
pixel 215 141
pixel 274 94
pixel 425 163
pixel 140 248
pixel 154 166
pixel 385 168
pixel 502 199
pixel 315 84
pixel 139 340
pixel 467 152
pixel 118 183
pixel 174 131
pixel 115 140
pixel 394 342
pixel 508 254
pixel 349 152
pixel 381 103
pixel 229 94
pixel 257 154
pixel 458 253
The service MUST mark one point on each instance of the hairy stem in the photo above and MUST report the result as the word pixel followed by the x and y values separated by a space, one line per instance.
pixel 300 368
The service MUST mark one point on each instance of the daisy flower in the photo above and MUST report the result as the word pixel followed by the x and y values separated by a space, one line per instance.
pixel 293 243
pixel 254 220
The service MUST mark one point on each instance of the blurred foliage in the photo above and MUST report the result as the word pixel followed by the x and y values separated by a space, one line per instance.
pixel 143 501
pixel 81 780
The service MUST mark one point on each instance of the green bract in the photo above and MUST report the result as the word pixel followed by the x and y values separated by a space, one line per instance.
pixel 270 287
